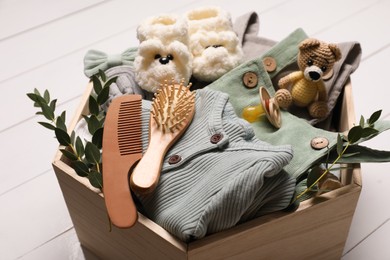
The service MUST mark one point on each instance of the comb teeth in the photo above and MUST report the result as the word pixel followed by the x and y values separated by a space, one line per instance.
pixel 129 127
pixel 171 106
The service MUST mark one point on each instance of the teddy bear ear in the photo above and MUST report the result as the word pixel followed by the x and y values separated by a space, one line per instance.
pixel 309 43
pixel 335 50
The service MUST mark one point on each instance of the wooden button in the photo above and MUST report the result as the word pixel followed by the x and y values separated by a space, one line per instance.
pixel 215 138
pixel 270 64
pixel 174 159
pixel 250 79
pixel 319 143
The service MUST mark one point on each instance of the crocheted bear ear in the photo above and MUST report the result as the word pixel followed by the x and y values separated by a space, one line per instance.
pixel 336 51
pixel 309 43
pixel 215 47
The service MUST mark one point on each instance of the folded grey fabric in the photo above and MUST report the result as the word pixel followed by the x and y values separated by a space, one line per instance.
pixel 216 185
pixel 125 84
pixel 247 28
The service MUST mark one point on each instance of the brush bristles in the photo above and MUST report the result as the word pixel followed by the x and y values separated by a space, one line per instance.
pixel 171 106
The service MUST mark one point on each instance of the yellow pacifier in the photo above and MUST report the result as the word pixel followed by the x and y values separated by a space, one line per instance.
pixel 268 107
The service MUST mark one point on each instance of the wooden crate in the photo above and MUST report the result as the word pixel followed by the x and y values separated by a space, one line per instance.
pixel 317 230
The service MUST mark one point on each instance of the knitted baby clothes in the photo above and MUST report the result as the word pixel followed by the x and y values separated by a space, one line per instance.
pixel 163 52
pixel 221 174
pixel 214 45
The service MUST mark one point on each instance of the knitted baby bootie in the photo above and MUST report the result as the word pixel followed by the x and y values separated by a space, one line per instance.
pixel 215 47
pixel 163 53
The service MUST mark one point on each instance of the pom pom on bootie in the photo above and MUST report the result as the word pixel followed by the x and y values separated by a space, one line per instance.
pixel 166 27
pixel 163 53
pixel 214 45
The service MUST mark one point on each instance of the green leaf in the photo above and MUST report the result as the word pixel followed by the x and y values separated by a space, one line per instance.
pixel 355 133
pixel 81 168
pixel 46 96
pixel 110 81
pixel 97 84
pixel 97 138
pixel 368 131
pixel 61 124
pixel 79 147
pixel 93 124
pixel 93 106
pixel 63 116
pixel 36 91
pixel 62 136
pixel 48 113
pixel 361 123
pixel 339 144
pixel 73 137
pixel 38 100
pixel 69 155
pixel 102 75
pixel 86 118
pixel 33 97
pixel 314 175
pixel 103 95
pixel 95 178
pixel 92 153
pixel 47 125
pixel 53 104
pixel 374 117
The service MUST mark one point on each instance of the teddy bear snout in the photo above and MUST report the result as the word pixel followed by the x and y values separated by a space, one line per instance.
pixel 313 73
pixel 164 60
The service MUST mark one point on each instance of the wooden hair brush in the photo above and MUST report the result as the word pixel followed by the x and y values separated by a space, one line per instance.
pixel 172 110
pixel 122 149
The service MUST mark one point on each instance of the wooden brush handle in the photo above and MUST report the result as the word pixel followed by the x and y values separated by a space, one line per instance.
pixel 172 111
pixel 146 174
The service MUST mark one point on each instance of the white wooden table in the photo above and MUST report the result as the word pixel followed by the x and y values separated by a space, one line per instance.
pixel 42 45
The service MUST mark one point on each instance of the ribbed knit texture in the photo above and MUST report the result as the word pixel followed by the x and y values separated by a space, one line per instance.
pixel 216 186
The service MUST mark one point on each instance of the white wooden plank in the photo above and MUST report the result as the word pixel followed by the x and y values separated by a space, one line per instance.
pixel 27 151
pixel 54 40
pixel 63 78
pixel 64 247
pixel 18 16
pixel 369 90
pixel 311 16
pixel 31 215
pixel 239 8
pixel 374 247
pixel 369 27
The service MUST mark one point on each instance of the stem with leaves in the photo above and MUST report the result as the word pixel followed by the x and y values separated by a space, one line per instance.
pixel 365 130
pixel 85 158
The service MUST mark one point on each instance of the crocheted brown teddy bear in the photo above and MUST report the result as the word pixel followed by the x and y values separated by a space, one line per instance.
pixel 307 89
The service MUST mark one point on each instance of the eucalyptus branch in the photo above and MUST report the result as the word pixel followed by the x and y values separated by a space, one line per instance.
pixel 365 130
pixel 85 159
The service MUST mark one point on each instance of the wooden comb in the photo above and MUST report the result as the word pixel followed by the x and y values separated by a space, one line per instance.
pixel 172 110
pixel 122 148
